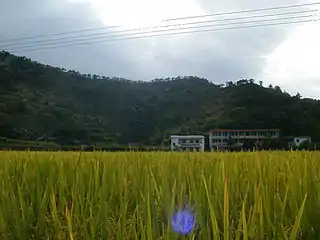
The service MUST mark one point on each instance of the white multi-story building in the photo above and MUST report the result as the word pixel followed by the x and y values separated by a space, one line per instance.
pixel 193 143
pixel 220 137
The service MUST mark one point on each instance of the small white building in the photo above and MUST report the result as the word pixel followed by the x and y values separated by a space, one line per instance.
pixel 194 143
pixel 297 141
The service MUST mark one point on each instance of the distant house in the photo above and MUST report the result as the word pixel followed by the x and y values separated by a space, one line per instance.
pixel 298 141
pixel 220 138
pixel 194 143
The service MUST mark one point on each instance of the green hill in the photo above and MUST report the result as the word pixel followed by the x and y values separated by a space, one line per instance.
pixel 44 103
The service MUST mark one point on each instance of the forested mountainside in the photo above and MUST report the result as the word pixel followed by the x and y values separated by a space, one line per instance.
pixel 43 103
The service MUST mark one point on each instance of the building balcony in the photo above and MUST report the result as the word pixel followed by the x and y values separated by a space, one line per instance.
pixel 244 136
pixel 189 145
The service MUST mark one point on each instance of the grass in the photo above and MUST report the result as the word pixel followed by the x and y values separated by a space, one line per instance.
pixel 266 195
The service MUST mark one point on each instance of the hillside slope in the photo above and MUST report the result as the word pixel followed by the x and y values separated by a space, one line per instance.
pixel 39 102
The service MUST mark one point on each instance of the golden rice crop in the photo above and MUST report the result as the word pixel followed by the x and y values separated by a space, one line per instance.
pixel 263 195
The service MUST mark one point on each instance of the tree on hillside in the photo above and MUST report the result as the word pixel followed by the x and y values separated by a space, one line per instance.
pixel 38 100
pixel 277 89
pixel 242 81
pixel 298 95
pixel 229 84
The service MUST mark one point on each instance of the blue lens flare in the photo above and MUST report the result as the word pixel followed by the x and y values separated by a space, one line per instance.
pixel 183 222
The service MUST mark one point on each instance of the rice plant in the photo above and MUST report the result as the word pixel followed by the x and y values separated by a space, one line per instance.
pixel 62 195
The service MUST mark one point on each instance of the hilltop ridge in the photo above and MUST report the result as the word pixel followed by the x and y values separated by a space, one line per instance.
pixel 44 103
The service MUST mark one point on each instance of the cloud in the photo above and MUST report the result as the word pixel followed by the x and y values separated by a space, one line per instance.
pixel 48 17
pixel 294 63
pixel 219 56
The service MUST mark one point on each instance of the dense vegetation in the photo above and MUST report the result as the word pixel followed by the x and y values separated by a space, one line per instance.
pixel 43 103
pixel 100 195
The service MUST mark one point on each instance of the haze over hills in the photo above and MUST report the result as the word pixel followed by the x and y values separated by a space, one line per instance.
pixel 40 102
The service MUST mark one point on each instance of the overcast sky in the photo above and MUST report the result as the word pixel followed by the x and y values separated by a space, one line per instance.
pixel 285 55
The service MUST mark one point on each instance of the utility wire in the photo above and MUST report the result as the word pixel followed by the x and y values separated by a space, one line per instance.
pixel 156 31
pixel 168 34
pixel 84 36
pixel 247 11
pixel 166 20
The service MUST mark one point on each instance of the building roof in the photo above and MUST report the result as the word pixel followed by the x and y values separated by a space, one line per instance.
pixel 245 130
pixel 187 136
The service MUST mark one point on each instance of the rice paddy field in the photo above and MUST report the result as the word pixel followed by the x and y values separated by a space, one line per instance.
pixel 262 195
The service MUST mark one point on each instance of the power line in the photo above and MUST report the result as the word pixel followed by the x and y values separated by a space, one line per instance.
pixel 58 34
pixel 170 34
pixel 166 20
pixel 165 26
pixel 247 11
pixel 158 31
